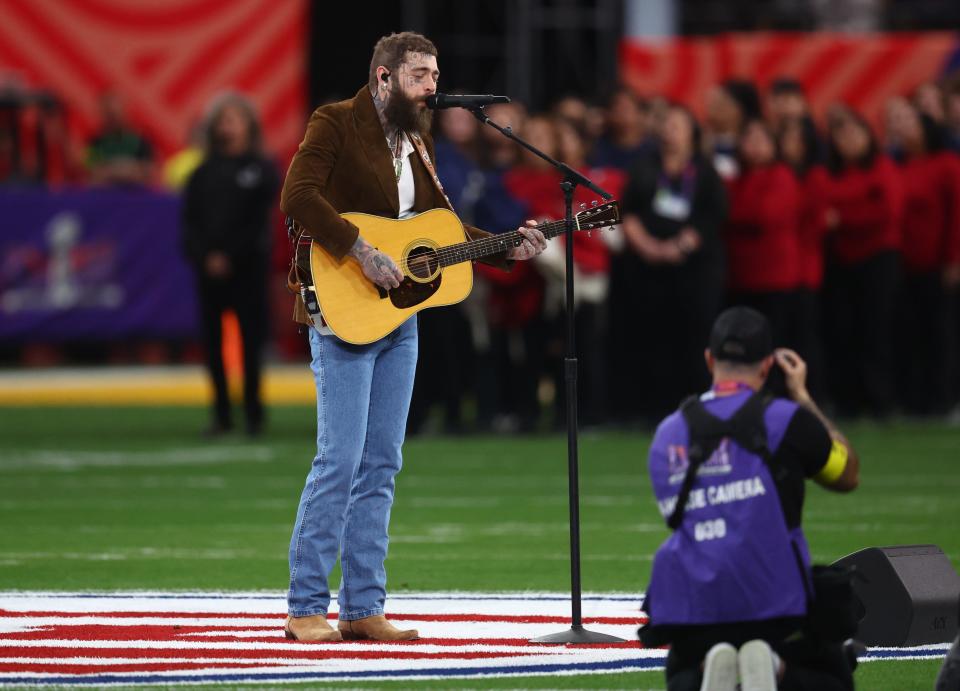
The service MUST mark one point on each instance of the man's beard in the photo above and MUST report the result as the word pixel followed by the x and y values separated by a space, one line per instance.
pixel 403 112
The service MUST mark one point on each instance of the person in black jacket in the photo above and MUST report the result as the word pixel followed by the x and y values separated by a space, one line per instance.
pixel 227 206
pixel 667 284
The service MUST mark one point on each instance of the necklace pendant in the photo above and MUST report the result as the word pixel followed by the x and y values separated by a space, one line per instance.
pixel 398 167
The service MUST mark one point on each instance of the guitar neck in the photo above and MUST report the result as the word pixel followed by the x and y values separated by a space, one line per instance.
pixel 502 242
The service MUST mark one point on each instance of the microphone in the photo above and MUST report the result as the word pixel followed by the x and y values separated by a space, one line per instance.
pixel 441 101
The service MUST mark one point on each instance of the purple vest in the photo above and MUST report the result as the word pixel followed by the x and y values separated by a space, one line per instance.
pixel 732 558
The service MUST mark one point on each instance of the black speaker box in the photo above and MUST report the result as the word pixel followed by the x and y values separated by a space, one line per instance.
pixel 911 594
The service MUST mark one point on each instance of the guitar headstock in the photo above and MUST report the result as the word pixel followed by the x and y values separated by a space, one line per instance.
pixel 599 215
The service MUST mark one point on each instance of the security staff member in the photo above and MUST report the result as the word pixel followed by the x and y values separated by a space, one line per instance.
pixel 226 238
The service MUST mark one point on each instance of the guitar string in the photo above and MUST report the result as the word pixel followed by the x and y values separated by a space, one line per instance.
pixel 472 249
pixel 481 247
pixel 462 251
pixel 454 254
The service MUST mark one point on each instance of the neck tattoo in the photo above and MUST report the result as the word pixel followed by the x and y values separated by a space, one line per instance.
pixel 393 134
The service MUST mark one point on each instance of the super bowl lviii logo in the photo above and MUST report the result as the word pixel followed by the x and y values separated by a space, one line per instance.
pixel 62 272
pixel 678 462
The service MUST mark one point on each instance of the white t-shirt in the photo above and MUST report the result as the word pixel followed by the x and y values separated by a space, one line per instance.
pixel 407 194
pixel 405 184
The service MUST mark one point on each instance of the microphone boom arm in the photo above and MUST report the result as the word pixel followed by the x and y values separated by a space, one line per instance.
pixel 569 174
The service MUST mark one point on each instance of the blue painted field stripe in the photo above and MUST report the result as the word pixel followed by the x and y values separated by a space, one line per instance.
pixel 637 664
pixel 215 596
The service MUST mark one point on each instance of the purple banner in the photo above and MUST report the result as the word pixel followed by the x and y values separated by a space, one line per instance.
pixel 93 265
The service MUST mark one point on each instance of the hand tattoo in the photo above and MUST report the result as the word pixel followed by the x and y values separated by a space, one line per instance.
pixel 377 267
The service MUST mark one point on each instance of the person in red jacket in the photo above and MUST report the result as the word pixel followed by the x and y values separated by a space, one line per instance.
pixel 537 185
pixel 515 298
pixel 591 267
pixel 930 258
pixel 864 198
pixel 799 146
pixel 761 235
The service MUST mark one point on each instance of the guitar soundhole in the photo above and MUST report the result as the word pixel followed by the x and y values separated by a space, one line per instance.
pixel 423 263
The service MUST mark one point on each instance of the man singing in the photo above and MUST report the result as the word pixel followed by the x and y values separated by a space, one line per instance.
pixel 372 154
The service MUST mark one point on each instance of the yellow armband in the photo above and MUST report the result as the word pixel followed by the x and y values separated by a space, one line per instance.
pixel 835 465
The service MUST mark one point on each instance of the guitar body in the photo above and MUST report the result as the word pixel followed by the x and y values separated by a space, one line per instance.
pixel 360 312
pixel 434 255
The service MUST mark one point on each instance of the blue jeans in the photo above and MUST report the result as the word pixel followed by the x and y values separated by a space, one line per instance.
pixel 363 396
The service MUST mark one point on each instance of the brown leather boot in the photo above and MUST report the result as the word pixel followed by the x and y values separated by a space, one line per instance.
pixel 315 628
pixel 375 628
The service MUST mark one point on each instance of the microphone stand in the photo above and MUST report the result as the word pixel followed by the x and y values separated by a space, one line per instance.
pixel 571 178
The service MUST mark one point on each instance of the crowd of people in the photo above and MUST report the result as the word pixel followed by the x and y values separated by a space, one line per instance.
pixel 846 238
pixel 38 146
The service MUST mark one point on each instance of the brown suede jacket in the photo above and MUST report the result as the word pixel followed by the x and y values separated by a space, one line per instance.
pixel 344 164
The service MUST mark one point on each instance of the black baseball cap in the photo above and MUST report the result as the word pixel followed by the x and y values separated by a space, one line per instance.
pixel 741 334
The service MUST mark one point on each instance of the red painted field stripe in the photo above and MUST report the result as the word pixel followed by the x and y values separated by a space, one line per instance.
pixel 151 632
pixel 502 618
pixel 327 652
pixel 305 650
pixel 158 634
pixel 140 615
pixel 423 640
pixel 23 667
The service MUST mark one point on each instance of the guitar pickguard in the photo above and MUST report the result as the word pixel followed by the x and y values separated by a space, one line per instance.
pixel 410 292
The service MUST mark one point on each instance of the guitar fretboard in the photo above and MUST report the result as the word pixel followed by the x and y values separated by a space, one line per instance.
pixel 483 247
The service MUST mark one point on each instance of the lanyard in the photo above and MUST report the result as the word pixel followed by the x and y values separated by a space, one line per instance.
pixel 727 387
pixel 687 178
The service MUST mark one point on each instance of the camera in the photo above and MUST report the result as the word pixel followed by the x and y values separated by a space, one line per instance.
pixel 776 384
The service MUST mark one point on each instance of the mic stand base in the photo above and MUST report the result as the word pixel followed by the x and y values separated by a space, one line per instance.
pixel 576 634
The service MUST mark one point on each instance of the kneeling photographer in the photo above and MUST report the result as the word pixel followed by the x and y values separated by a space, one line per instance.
pixel 732 587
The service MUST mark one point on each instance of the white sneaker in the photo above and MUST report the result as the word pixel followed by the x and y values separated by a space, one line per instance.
pixel 758 665
pixel 720 669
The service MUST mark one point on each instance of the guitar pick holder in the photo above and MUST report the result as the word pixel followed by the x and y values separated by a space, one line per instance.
pixel 571 178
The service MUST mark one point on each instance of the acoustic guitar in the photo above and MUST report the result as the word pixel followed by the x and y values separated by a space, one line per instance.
pixel 435 257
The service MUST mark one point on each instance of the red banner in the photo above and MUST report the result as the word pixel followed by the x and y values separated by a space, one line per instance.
pixel 862 71
pixel 165 58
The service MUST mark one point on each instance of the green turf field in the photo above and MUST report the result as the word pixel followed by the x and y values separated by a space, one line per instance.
pixel 104 498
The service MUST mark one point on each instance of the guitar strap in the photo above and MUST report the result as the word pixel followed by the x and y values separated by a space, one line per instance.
pixel 425 157
pixel 295 233
pixel 299 280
